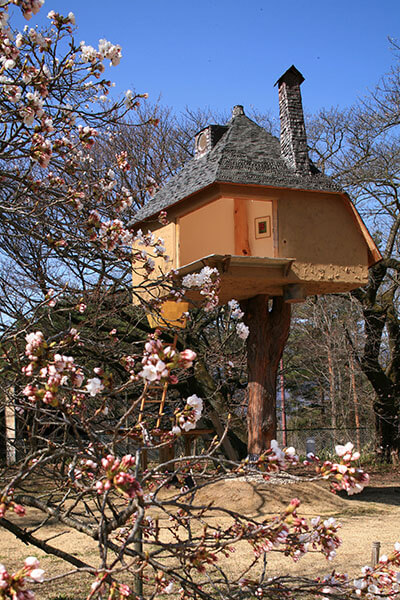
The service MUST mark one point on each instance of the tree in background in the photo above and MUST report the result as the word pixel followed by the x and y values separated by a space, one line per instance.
pixel 360 148
pixel 327 390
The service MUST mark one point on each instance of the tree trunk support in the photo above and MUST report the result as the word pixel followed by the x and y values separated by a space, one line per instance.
pixel 268 320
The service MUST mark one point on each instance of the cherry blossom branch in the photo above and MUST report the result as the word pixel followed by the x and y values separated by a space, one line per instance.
pixel 28 538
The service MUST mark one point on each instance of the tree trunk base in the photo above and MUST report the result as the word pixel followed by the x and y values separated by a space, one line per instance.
pixel 268 321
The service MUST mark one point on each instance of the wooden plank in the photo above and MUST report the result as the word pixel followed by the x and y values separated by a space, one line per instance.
pixel 242 245
pixel 150 401
pixel 275 227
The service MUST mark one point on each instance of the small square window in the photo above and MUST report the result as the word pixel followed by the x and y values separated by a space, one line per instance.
pixel 262 227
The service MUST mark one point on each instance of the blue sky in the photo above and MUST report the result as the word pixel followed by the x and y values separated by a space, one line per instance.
pixel 219 53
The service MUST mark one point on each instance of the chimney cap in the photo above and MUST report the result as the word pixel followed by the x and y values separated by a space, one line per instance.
pixel 292 75
pixel 237 111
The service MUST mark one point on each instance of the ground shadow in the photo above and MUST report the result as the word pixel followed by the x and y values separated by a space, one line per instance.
pixel 382 495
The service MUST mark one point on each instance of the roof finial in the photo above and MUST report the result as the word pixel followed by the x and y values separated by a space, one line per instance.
pixel 237 111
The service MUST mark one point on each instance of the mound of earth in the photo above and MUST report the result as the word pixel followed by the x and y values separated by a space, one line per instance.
pixel 258 498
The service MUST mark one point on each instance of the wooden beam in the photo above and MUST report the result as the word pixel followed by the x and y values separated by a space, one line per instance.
pixel 242 245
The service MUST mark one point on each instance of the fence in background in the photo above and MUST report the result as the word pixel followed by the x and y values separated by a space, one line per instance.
pixel 325 439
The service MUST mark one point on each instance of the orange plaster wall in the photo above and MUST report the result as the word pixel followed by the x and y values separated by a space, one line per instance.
pixel 318 229
pixel 207 230
pixel 168 234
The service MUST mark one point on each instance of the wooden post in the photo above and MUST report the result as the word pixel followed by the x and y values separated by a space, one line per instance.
pixel 11 434
pixel 188 444
pixel 283 407
pixel 355 399
pixel 376 547
pixel 138 546
pixel 268 331
pixel 332 394
pixel 167 453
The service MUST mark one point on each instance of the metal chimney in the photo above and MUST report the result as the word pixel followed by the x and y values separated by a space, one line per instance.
pixel 293 131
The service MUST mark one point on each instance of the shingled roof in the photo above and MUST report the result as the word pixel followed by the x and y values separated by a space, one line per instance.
pixel 245 154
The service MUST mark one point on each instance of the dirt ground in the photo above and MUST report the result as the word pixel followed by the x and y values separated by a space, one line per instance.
pixel 371 516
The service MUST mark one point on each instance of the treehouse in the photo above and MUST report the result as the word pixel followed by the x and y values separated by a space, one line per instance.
pixel 277 230
pixel 258 210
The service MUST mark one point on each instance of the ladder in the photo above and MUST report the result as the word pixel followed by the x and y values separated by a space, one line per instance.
pixel 165 453
pixel 153 391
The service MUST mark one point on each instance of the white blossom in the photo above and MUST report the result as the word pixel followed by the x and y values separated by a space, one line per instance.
pixel 37 575
pixel 150 263
pixel 279 453
pixel 236 313
pixel 342 450
pixel 110 51
pixel 168 588
pixel 199 279
pixel 242 330
pixel 9 64
pixel 331 522
pixel 149 372
pixel 187 425
pixel 128 99
pixel 31 562
pixel 89 54
pixel 197 404
pixel 94 386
